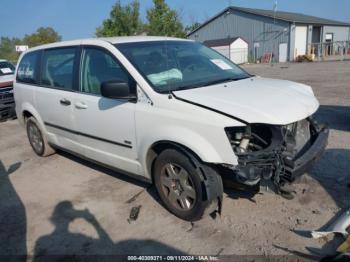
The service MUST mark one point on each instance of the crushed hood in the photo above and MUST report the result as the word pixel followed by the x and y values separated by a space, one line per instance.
pixel 256 100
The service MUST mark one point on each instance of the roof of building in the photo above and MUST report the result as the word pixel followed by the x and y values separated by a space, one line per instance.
pixel 221 42
pixel 280 15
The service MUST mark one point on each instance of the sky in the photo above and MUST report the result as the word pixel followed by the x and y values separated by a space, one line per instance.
pixel 74 19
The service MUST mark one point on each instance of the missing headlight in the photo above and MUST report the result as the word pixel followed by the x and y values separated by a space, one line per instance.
pixel 253 138
pixel 271 152
pixel 258 148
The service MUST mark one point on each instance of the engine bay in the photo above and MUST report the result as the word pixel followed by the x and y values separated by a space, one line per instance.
pixel 269 151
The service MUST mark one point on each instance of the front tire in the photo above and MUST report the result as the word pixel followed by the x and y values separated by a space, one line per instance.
pixel 37 138
pixel 187 188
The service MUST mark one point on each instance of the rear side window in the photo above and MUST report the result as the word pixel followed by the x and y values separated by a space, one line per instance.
pixel 27 69
pixel 58 68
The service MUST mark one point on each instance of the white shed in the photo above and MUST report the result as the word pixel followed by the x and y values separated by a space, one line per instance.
pixel 236 49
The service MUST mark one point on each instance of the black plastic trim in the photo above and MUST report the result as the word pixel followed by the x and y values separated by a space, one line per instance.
pixel 211 109
pixel 87 135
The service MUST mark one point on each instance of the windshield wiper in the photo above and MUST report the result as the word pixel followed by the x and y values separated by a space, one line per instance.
pixel 228 79
pixel 180 88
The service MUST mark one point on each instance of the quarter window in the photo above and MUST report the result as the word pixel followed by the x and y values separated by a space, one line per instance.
pixel 98 66
pixel 27 69
pixel 58 68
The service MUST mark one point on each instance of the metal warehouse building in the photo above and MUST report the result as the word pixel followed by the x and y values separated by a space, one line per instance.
pixel 281 35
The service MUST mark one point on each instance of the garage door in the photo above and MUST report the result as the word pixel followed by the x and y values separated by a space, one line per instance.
pixel 300 40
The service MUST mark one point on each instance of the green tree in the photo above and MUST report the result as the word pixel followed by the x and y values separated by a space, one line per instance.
pixel 41 36
pixel 44 35
pixel 163 21
pixel 190 28
pixel 122 21
pixel 8 48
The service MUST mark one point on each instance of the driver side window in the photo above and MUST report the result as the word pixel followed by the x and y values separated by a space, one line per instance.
pixel 99 66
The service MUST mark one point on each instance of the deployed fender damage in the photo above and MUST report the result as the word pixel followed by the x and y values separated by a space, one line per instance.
pixel 277 153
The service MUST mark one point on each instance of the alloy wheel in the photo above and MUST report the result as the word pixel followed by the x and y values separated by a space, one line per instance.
pixel 178 187
pixel 35 138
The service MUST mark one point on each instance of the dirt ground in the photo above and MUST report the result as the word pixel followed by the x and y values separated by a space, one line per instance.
pixel 64 205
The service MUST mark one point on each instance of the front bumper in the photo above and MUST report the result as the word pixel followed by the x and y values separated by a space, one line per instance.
pixel 284 159
pixel 297 167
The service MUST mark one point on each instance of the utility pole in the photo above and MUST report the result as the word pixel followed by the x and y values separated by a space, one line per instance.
pixel 274 21
pixel 274 10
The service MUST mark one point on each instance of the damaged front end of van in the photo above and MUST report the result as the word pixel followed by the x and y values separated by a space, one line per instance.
pixel 276 153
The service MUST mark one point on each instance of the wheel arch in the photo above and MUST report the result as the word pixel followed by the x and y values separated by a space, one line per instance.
pixel 156 148
pixel 26 114
pixel 28 110
pixel 211 183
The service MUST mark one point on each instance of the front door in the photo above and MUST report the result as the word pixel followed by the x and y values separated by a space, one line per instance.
pixel 106 127
pixel 282 55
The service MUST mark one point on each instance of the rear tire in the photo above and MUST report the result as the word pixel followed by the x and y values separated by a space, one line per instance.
pixel 37 139
pixel 187 188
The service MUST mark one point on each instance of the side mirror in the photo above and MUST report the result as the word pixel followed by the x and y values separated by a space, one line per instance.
pixel 117 90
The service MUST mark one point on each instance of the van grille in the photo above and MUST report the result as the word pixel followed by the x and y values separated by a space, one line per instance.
pixel 6 96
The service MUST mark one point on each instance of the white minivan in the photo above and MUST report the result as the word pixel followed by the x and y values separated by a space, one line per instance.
pixel 169 111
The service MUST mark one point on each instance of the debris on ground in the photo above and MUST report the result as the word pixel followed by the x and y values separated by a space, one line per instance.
pixel 191 227
pixel 298 221
pixel 219 252
pixel 134 197
pixel 287 191
pixel 316 212
pixel 134 213
pixel 286 195
pixel 338 226
pixel 304 58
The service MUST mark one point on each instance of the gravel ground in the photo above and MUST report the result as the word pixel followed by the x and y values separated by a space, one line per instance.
pixel 64 205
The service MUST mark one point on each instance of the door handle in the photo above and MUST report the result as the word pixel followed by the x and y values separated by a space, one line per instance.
pixel 81 105
pixel 65 102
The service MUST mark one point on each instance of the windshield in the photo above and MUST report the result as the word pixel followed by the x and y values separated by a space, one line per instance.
pixel 6 68
pixel 179 65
